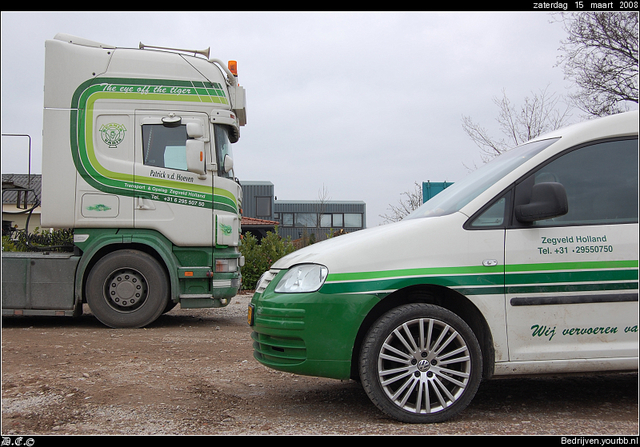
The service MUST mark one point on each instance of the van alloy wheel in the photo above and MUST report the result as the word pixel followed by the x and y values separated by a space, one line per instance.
pixel 421 363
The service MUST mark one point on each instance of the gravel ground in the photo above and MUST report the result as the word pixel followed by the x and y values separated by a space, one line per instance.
pixel 192 372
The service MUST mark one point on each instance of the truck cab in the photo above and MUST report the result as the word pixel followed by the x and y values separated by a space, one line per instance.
pixel 137 157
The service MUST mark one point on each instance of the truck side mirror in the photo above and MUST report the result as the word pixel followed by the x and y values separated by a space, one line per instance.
pixel 196 161
pixel 194 130
pixel 228 163
pixel 548 200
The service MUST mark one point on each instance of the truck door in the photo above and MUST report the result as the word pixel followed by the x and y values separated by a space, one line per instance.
pixel 105 164
pixel 572 281
pixel 173 188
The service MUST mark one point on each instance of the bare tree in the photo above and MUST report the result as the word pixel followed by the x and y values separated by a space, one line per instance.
pixel 315 223
pixel 538 114
pixel 411 201
pixel 601 56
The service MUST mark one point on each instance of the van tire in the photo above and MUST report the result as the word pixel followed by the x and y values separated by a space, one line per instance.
pixel 431 379
pixel 127 289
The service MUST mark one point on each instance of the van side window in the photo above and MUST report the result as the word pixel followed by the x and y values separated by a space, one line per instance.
pixel 165 147
pixel 493 216
pixel 601 181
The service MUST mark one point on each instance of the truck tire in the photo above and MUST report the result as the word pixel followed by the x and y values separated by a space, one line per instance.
pixel 420 363
pixel 127 289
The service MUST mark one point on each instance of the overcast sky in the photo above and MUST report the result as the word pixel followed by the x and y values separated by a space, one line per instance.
pixel 360 104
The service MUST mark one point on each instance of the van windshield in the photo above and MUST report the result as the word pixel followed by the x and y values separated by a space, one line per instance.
pixel 459 194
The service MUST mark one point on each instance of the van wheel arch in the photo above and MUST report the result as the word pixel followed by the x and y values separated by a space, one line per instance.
pixel 439 296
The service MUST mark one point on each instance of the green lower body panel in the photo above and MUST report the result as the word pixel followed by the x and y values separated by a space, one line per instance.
pixel 309 334
pixel 191 270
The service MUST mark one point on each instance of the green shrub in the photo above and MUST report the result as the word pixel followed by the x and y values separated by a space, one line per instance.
pixel 260 256
pixel 56 240
pixel 7 244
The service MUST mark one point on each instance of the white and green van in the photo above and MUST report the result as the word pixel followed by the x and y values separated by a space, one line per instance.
pixel 527 266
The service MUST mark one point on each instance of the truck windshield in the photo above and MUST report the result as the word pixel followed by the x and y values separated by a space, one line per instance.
pixel 461 193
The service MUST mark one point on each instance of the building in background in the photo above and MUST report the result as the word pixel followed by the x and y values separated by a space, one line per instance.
pixel 303 220
pixel 257 227
pixel 316 220
pixel 430 189
pixel 20 193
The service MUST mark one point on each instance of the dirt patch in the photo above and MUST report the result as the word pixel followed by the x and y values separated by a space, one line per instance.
pixel 193 372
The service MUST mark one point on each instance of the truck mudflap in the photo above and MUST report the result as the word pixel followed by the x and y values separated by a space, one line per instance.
pixel 39 284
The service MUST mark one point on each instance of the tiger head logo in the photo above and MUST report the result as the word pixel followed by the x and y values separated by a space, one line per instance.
pixel 112 134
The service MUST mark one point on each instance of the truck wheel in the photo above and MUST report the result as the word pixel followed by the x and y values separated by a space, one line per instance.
pixel 127 289
pixel 420 363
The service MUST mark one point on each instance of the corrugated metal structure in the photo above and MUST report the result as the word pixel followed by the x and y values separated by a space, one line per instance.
pixel 257 199
pixel 312 220
pixel 318 219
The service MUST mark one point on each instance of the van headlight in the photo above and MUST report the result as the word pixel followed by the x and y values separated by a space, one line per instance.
pixel 303 278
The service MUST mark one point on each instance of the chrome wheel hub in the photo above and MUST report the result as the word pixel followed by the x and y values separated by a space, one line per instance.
pixel 424 366
pixel 126 290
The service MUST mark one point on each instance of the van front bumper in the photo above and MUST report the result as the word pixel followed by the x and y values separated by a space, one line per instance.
pixel 307 333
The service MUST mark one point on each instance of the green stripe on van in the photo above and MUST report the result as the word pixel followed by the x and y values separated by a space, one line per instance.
pixel 474 280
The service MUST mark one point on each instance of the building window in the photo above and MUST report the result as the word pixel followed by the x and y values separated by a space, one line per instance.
pixel 322 220
pixel 353 220
pixel 263 206
pixel 287 219
pixel 307 220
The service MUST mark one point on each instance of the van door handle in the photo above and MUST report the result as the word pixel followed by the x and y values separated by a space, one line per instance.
pixel 490 262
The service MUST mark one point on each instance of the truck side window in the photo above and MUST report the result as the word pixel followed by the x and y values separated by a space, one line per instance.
pixel 223 148
pixel 601 181
pixel 165 147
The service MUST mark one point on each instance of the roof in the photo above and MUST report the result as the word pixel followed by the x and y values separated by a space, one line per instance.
pixel 18 182
pixel 256 182
pixel 253 222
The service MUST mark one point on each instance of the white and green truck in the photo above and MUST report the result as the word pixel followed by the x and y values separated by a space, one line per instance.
pixel 137 160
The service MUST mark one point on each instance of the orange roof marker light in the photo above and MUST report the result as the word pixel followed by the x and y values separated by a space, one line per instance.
pixel 233 67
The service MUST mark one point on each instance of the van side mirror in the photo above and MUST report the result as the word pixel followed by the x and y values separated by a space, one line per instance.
pixel 548 200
